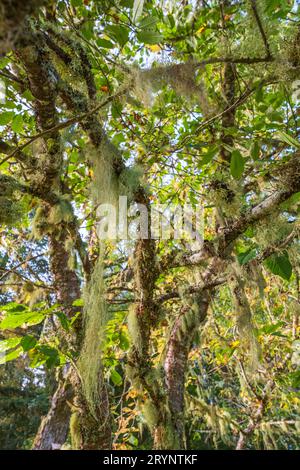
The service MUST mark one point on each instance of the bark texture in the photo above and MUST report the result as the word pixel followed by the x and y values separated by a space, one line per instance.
pixel 91 432
pixel 178 348
pixel 54 428
pixel 13 15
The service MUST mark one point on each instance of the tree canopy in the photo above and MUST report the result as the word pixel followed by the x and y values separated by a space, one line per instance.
pixel 149 222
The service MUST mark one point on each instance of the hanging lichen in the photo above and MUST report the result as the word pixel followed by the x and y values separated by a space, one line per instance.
pixel 75 430
pixel 134 329
pixel 95 318
pixel 184 79
pixel 226 195
pixel 40 225
pixel 104 182
pixel 129 180
pixel 150 413
pixel 104 190
pixel 246 329
pixel 265 235
pixel 10 211
pixel 10 205
pixel 47 218
pixel 110 178
pixel 61 212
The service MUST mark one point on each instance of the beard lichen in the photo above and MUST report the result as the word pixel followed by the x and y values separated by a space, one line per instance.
pixel 265 235
pixel 75 432
pixel 10 203
pixel 184 79
pixel 134 329
pixel 104 184
pixel 39 224
pixel 10 211
pixel 95 319
pixel 244 321
pixel 61 212
pixel 47 217
pixel 104 189
pixel 226 195
pixel 150 413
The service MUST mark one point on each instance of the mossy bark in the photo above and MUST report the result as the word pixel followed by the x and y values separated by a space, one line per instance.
pixel 178 347
pixel 46 177
pixel 90 431
pixel 54 428
pixel 13 15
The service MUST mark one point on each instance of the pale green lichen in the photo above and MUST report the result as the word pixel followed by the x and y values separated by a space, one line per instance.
pixel 95 318
pixel 134 329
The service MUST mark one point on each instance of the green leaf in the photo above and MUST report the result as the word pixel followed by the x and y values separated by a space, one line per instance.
pixel 6 117
pixel 44 354
pixel 288 139
pixel 78 303
pixel 237 164
pixel 14 307
pixel 17 124
pixel 133 440
pixel 105 43
pixel 4 61
pixel 53 360
pixel 115 377
pixel 11 355
pixel 87 31
pixel 271 328
pixel 148 22
pixel 119 33
pixel 64 321
pixel 13 319
pixel 280 265
pixel 28 342
pixel 149 37
pixel 208 156
pixel 246 256
pixel 124 341
pixel 255 151
pixel 27 95
pixel 9 343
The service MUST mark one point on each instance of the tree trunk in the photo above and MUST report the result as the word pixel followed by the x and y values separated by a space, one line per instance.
pixel 13 14
pixel 180 342
pixel 90 432
pixel 54 428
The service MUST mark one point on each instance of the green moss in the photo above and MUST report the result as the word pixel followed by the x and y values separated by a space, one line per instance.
pixel 129 180
pixel 75 431
pixel 134 329
pixel 150 413
pixel 40 225
pixel 61 212
pixel 133 376
pixel 10 211
pixel 10 204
